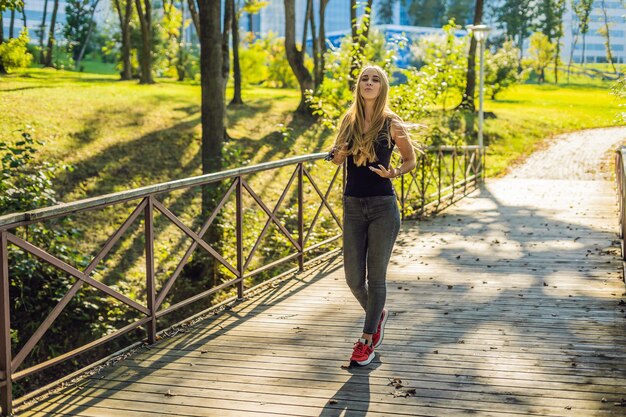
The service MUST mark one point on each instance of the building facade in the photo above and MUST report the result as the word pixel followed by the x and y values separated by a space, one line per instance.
pixel 595 49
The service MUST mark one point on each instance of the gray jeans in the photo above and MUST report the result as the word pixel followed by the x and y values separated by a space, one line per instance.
pixel 370 228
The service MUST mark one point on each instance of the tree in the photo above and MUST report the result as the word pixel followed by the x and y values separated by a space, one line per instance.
pixel 51 38
pixel 360 33
pixel 4 6
pixel 605 31
pixel 516 17
pixel 384 13
pixel 79 24
pixel 295 57
pixel 144 11
pixel 228 17
pixel 320 69
pixel 236 65
pixel 124 9
pixel 541 52
pixel 583 12
pixel 467 101
pixel 460 10
pixel 212 84
pixel 42 29
pixel 559 9
pixel 427 12
pixel 501 68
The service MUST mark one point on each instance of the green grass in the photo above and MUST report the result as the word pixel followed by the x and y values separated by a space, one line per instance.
pixel 526 114
pixel 98 67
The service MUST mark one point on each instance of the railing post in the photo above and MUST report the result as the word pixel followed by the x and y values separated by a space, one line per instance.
pixel 6 392
pixel 439 158
pixel 239 221
pixel 301 216
pixel 465 158
pixel 402 195
pixel 453 172
pixel 423 181
pixel 150 287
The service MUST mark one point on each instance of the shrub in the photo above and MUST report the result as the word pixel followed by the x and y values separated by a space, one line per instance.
pixel 14 53
pixel 501 68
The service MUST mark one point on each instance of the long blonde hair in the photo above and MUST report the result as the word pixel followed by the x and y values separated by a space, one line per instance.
pixel 361 145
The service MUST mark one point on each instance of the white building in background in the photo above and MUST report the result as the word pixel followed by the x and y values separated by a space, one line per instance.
pixel 595 51
pixel 33 9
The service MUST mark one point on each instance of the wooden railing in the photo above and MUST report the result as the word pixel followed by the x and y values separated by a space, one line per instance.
pixel 620 178
pixel 443 175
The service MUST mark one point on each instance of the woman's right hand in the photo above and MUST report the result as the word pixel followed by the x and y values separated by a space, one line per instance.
pixel 341 153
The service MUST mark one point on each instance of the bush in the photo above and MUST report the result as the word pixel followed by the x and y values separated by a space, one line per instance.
pixel 619 90
pixel 35 285
pixel 501 68
pixel 14 53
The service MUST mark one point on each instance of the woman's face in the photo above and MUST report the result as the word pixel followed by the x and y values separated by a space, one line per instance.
pixel 370 84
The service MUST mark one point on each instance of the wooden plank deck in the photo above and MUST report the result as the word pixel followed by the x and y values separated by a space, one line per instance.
pixel 507 304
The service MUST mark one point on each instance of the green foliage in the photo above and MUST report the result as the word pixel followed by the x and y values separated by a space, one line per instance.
pixel 279 73
pixel 619 90
pixel 541 53
pixel 444 62
pixel 77 23
pixel 253 61
pixel 14 53
pixel 582 8
pixel 35 285
pixel 516 16
pixel 333 96
pixel 501 68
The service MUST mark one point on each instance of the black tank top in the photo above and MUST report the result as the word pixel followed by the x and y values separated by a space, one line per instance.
pixel 361 181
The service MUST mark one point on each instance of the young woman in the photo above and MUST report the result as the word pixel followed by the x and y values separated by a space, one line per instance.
pixel 367 135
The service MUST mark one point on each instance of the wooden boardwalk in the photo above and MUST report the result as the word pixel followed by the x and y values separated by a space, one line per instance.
pixel 507 304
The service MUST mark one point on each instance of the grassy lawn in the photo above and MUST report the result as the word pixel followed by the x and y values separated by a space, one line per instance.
pixel 527 114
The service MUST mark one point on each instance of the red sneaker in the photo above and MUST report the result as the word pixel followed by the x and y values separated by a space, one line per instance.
pixel 363 353
pixel 377 338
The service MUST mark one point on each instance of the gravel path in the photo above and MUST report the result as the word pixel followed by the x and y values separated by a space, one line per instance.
pixel 573 156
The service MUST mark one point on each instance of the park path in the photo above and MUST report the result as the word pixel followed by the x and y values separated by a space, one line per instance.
pixel 509 303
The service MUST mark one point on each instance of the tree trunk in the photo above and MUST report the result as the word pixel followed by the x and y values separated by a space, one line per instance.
pixel 25 23
pixel 354 61
pixel 228 22
pixel 296 57
pixel 212 81
pixel 236 65
pixel 41 32
pixel 145 23
pixel 470 84
pixel 91 25
pixel 12 24
pixel 315 48
pixel 584 59
pixel 51 40
pixel 556 61
pixel 180 68
pixel 322 41
pixel 125 17
pixel 367 23
pixel 2 69
pixel 195 17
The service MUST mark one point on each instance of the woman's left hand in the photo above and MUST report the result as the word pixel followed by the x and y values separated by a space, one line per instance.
pixel 384 172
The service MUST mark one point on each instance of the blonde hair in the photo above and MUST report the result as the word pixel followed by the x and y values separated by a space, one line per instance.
pixel 361 145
